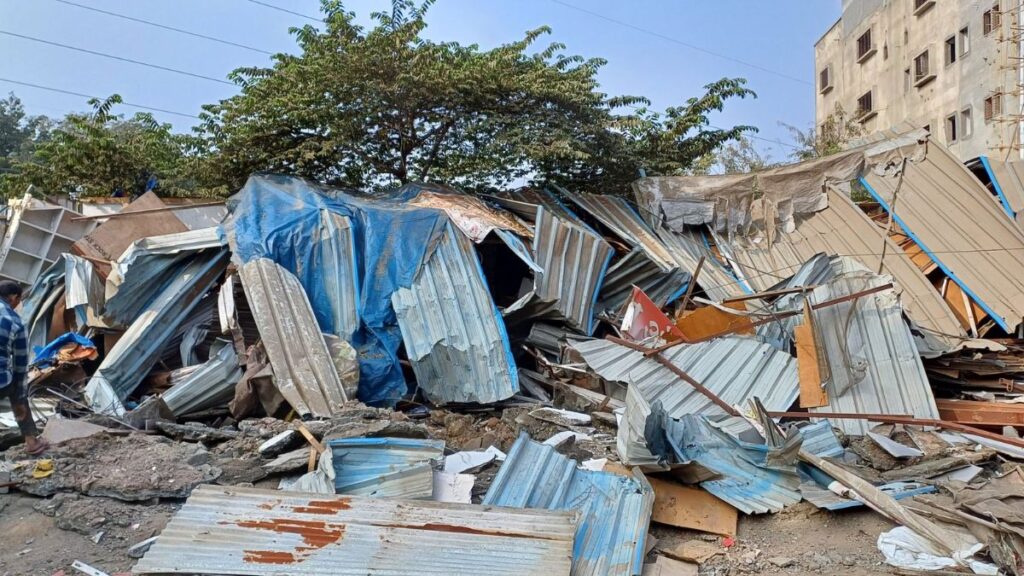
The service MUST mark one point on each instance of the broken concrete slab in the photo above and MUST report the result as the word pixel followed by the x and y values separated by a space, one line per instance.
pixel 60 430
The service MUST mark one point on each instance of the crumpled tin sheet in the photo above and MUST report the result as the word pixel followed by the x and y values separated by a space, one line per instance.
pixel 615 509
pixel 303 370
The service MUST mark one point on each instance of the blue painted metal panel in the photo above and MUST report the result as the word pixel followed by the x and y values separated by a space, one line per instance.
pixel 746 482
pixel 385 467
pixel 615 510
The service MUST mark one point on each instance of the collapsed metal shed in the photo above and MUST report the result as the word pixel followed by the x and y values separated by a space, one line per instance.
pixel 231 530
pixel 385 467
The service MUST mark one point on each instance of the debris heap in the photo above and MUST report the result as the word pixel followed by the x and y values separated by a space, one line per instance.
pixel 316 380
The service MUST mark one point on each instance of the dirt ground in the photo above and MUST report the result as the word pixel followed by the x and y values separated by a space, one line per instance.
pixel 800 539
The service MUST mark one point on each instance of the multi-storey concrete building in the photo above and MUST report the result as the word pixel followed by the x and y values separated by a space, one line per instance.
pixel 951 65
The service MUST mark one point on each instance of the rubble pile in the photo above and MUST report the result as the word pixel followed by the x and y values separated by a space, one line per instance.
pixel 325 381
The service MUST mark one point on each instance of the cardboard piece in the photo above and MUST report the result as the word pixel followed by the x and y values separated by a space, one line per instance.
pixel 668 567
pixel 109 240
pixel 685 507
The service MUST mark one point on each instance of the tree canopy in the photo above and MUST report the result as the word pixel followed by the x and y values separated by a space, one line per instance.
pixel 373 107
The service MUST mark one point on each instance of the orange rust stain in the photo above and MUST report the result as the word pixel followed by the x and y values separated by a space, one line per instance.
pixel 268 557
pixel 315 534
pixel 324 506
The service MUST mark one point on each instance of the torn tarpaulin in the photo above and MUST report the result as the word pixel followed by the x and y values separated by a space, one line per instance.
pixel 381 247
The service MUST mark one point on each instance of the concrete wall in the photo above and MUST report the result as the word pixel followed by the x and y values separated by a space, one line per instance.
pixel 989 66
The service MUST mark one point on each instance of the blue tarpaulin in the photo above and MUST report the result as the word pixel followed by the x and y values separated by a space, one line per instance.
pixel 283 218
pixel 46 355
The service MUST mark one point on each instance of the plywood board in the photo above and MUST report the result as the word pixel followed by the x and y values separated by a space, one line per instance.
pixel 812 395
pixel 668 567
pixel 693 508
pixel 709 321
pixel 110 239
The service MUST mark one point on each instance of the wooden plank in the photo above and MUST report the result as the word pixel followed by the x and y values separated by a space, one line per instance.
pixel 980 413
pixel 703 322
pixel 686 507
pixel 812 394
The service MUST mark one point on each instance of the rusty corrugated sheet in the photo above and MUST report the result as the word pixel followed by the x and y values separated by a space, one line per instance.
pixel 229 530
pixel 962 228
pixel 303 371
pixel 453 333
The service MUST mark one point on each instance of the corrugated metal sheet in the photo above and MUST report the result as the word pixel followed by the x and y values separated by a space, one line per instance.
pixel 149 264
pixel 37 307
pixel 572 256
pixel 874 364
pixel 687 247
pixel 83 290
pixel 736 369
pixel 138 349
pixel 649 265
pixel 337 256
pixel 207 385
pixel 842 229
pixel 230 530
pixel 1008 182
pixel 454 335
pixel 615 510
pixel 385 467
pixel 303 371
pixel 962 227
pixel 819 439
pixel 574 260
pixel 746 482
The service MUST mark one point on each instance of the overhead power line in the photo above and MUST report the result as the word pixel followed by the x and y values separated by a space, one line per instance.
pixel 119 58
pixel 165 27
pixel 680 42
pixel 285 10
pixel 82 95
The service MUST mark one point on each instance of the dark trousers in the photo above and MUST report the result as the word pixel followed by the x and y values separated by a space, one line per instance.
pixel 17 393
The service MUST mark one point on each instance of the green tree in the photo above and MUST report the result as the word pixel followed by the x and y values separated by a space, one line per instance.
pixel 101 153
pixel 829 138
pixel 378 106
pixel 19 132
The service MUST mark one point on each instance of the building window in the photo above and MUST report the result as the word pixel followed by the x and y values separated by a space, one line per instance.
pixel 951 135
pixel 865 47
pixel 922 6
pixel 950 50
pixel 966 123
pixel 991 20
pixel 993 106
pixel 825 80
pixel 922 69
pixel 965 41
pixel 865 107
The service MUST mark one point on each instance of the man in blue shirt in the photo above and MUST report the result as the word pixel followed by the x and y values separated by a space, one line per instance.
pixel 14 365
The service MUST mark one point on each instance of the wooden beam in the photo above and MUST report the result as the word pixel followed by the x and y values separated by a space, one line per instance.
pixel 147 211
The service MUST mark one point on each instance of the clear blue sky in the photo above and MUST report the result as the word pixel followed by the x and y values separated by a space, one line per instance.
pixel 776 35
